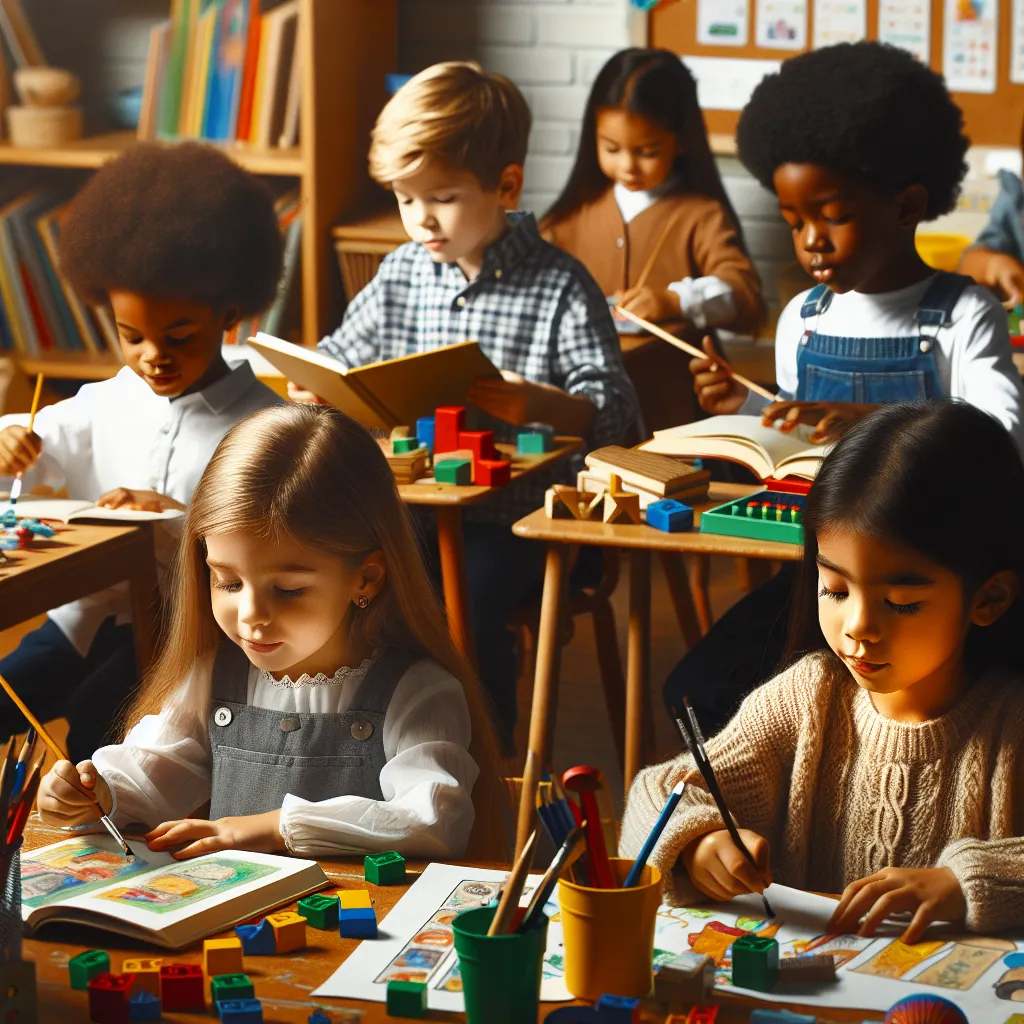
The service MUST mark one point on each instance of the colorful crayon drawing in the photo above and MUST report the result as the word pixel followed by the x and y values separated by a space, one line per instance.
pixel 714 940
pixel 843 948
pixel 73 869
pixel 1010 985
pixel 174 888
pixel 964 963
pixel 896 959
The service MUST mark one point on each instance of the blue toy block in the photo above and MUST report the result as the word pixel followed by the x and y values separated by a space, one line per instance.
pixel 618 1010
pixel 360 923
pixel 425 432
pixel 144 1006
pixel 257 939
pixel 670 515
pixel 240 1011
pixel 319 1017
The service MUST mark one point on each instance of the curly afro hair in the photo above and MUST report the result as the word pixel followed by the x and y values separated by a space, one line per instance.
pixel 175 221
pixel 868 110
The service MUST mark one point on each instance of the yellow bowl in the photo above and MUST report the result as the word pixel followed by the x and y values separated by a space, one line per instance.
pixel 942 252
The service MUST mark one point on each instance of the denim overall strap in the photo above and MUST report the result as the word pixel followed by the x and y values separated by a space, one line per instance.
pixel 260 755
pixel 940 299
pixel 818 300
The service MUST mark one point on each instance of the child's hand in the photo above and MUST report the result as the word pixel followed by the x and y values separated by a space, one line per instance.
pixel 62 801
pixel 258 832
pixel 18 450
pixel 651 304
pixel 1005 275
pixel 830 419
pixel 720 870
pixel 933 894
pixel 297 394
pixel 138 501
pixel 514 399
pixel 716 390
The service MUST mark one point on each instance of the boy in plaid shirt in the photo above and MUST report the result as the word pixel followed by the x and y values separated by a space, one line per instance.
pixel 451 146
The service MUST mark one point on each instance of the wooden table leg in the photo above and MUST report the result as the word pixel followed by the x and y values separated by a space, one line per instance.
pixel 453 578
pixel 145 600
pixel 638 657
pixel 687 615
pixel 699 568
pixel 545 680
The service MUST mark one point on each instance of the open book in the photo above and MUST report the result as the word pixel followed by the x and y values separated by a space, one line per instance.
pixel 65 510
pixel 154 898
pixel 394 393
pixel 764 450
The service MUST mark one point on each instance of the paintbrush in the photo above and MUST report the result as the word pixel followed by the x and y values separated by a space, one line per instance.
pixel 16 826
pixel 27 749
pixel 688 728
pixel 509 902
pixel 62 756
pixel 547 884
pixel 16 486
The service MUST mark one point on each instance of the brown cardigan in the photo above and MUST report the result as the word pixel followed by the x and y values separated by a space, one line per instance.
pixel 702 241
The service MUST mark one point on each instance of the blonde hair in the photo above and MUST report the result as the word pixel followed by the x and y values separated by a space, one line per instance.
pixel 455 113
pixel 310 474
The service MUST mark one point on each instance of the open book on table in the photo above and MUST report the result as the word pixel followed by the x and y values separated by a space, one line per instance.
pixel 383 395
pixel 154 898
pixel 66 510
pixel 767 452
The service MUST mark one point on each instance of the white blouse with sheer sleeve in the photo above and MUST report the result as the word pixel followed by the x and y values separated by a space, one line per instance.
pixel 161 772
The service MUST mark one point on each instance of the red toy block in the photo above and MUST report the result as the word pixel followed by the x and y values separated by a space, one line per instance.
pixel 492 472
pixel 181 987
pixel 108 998
pixel 479 442
pixel 449 420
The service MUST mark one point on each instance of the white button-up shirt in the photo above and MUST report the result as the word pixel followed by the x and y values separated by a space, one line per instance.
pixel 118 433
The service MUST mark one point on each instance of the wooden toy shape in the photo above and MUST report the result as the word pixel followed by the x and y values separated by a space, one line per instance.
pixel 755 962
pixel 407 999
pixel 657 474
pixel 358 923
pixel 181 987
pixel 402 445
pixel 257 939
pixel 613 1009
pixel 492 472
pixel 619 505
pixel 670 516
pixel 449 420
pixel 684 981
pixel 320 911
pixel 565 502
pixel 354 899
pixel 289 930
pixel 84 967
pixel 147 973
pixel 144 1006
pixel 425 432
pixel 240 1011
pixel 479 442
pixel 108 998
pixel 454 471
pixel 399 432
pixel 225 987
pixel 222 956
pixel 18 1000
pixel 807 970
pixel 386 868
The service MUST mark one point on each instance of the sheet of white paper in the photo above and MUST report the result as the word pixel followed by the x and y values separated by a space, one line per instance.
pixel 907 24
pixel 726 83
pixel 722 22
pixel 1017 43
pixel 782 24
pixel 969 45
pixel 839 21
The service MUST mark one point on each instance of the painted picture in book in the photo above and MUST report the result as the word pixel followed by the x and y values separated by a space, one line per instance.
pixel 72 869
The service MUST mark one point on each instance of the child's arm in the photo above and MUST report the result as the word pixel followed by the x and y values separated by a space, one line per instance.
pixel 999 271
pixel 60 443
pixel 514 399
pixel 357 340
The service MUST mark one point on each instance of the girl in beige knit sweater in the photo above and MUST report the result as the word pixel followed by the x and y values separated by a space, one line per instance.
pixel 888 761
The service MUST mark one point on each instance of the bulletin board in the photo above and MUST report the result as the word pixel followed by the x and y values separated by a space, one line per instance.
pixel 993 119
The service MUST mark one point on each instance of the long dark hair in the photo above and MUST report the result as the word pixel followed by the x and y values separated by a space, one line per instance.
pixel 942 478
pixel 654 84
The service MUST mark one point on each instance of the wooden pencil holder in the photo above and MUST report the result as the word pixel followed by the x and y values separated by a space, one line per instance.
pixel 43 127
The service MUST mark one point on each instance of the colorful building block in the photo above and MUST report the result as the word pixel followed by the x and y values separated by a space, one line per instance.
pixel 354 899
pixel 809 969
pixel 492 472
pixel 400 445
pixel 240 1011
pixel 108 998
pixel 755 962
pixel 386 868
pixel 425 432
pixel 670 515
pixel 479 442
pixel 181 987
pixel 320 911
pixel 449 420
pixel 454 471
pixel 531 442
pixel 84 967
pixel 702 1015
pixel 359 923
pixel 289 930
pixel 147 973
pixel 257 939
pixel 225 987
pixel 144 1006
pixel 688 979
pixel 222 956
pixel 618 1010
pixel 407 999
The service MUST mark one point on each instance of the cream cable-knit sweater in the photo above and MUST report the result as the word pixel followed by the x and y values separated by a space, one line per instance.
pixel 840 791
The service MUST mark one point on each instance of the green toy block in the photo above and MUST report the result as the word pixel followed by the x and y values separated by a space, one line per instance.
pixel 404 444
pixel 84 967
pixel 454 471
pixel 231 986
pixel 320 911
pixel 533 442
pixel 755 962
pixel 407 999
pixel 384 868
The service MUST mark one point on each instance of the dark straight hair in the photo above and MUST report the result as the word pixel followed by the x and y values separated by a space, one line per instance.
pixel 657 85
pixel 942 478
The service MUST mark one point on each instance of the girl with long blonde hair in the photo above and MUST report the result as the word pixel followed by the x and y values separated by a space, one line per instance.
pixel 307 688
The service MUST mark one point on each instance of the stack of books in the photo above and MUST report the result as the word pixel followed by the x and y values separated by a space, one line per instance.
pixel 652 477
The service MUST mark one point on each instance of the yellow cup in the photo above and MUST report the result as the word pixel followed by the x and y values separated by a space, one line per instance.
pixel 941 252
pixel 609 934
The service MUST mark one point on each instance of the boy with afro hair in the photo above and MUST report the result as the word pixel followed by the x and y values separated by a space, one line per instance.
pixel 180 243
pixel 860 143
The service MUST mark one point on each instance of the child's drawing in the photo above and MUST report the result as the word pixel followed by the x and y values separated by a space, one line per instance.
pixel 73 869
pixel 896 959
pixel 965 963
pixel 843 948
pixel 174 888
pixel 714 940
pixel 1010 985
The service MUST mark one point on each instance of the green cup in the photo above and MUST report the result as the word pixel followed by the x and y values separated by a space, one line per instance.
pixel 501 974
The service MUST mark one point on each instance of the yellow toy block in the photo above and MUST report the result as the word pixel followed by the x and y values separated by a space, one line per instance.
pixel 222 956
pixel 147 973
pixel 355 899
pixel 289 930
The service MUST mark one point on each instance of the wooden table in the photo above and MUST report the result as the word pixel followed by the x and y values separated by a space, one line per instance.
pixel 448 501
pixel 282 983
pixel 640 541
pixel 79 560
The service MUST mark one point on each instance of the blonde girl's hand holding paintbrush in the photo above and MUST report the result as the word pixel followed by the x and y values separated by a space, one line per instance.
pixel 63 801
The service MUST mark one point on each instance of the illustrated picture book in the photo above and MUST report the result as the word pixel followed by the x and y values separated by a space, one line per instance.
pixel 67 510
pixel 383 395
pixel 152 897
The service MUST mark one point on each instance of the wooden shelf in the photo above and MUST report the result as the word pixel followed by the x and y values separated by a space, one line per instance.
pixel 70 365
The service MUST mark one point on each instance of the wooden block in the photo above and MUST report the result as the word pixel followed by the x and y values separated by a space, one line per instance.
pixel 454 471
pixel 658 474
pixel 492 472
pixel 357 923
pixel 448 421
pixel 108 998
pixel 320 911
pixel 564 502
pixel 355 899
pixel 620 507
pixel 807 970
pixel 181 987
pixel 222 956
pixel 686 980
pixel 479 442
pixel 399 432
pixel 84 967
pixel 289 930
pixel 147 972
pixel 257 939
pixel 404 445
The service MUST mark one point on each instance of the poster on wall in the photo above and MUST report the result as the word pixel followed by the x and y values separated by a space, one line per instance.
pixel 1017 43
pixel 722 22
pixel 782 24
pixel 969 45
pixel 907 24
pixel 839 21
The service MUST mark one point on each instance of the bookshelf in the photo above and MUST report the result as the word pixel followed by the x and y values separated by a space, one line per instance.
pixel 345 47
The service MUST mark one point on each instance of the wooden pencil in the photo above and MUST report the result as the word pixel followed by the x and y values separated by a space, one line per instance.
pixel 509 902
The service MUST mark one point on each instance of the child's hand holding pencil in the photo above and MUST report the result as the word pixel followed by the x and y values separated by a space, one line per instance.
pixel 63 799
pixel 718 868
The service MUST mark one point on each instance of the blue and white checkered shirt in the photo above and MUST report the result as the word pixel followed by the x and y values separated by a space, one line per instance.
pixel 533 308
